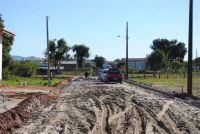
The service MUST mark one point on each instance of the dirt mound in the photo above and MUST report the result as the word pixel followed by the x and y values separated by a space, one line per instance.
pixel 63 83
pixel 96 108
pixel 33 103
pixel 13 118
pixel 3 98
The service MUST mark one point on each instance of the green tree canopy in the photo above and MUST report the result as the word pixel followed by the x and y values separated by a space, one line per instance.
pixel 23 68
pixel 120 63
pixel 82 52
pixel 173 49
pixel 163 44
pixel 57 51
pixel 177 52
pixel 176 66
pixel 99 61
pixel 1 22
pixel 155 60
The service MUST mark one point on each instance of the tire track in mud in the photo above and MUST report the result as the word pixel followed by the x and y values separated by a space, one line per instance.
pixel 93 108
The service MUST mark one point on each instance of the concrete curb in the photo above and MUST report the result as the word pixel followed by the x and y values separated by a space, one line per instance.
pixel 150 88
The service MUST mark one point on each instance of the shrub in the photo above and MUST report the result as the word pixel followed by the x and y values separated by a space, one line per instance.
pixel 24 68
pixel 6 73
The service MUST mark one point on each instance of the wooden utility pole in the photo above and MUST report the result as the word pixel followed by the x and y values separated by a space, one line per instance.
pixel 127 50
pixel 48 71
pixel 190 38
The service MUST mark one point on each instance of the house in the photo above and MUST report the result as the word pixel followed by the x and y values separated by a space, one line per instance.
pixel 69 65
pixel 43 68
pixel 136 63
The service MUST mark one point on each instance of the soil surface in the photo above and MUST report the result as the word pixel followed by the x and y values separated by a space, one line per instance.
pixel 89 106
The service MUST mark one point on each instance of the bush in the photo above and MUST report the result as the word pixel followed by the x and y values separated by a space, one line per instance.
pixel 24 68
pixel 6 73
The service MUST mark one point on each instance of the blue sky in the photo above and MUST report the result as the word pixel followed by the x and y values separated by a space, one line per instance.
pixel 96 23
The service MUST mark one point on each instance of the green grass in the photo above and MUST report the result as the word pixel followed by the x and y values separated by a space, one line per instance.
pixel 171 81
pixel 29 81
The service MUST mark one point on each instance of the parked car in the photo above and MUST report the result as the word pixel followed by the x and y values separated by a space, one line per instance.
pixel 111 75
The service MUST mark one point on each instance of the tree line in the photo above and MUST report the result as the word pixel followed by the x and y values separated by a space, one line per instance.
pixel 168 54
pixel 165 54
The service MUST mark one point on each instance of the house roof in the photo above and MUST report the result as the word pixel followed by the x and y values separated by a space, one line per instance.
pixel 68 62
pixel 134 59
pixel 6 32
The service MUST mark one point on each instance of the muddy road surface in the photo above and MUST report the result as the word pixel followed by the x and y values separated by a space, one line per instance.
pixel 91 107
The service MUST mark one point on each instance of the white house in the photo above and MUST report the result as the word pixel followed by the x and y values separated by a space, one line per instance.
pixel 8 34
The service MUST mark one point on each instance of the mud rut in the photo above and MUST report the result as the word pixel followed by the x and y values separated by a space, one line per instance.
pixel 96 108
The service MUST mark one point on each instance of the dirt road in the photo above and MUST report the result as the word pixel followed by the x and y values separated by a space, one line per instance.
pixel 96 108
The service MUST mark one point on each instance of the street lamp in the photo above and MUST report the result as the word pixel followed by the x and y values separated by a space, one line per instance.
pixel 126 76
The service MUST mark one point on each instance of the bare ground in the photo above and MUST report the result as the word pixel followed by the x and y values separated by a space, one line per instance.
pixel 96 108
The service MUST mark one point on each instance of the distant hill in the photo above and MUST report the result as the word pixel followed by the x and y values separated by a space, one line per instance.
pixel 17 58
pixel 30 58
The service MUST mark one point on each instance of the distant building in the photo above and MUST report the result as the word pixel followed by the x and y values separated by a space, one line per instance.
pixel 136 63
pixel 42 69
pixel 69 65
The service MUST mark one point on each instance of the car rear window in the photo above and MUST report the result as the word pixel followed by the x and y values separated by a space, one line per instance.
pixel 116 71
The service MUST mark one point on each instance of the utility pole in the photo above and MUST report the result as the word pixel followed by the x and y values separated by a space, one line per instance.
pixel 126 50
pixel 48 71
pixel 190 38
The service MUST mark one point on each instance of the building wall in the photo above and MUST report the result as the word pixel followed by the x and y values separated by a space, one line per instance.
pixel 137 64
pixel 69 67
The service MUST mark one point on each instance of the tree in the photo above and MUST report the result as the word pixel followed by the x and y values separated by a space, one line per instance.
pixel 1 22
pixel 176 66
pixel 173 49
pixel 23 68
pixel 99 61
pixel 82 52
pixel 177 52
pixel 155 59
pixel 196 62
pixel 163 44
pixel 120 63
pixel 68 57
pixel 57 51
pixel 7 43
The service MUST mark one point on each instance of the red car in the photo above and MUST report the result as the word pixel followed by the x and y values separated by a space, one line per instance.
pixel 111 75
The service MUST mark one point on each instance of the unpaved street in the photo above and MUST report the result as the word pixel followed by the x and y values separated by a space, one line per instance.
pixel 96 108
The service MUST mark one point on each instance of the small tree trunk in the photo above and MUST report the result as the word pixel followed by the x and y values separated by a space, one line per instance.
pixel 144 75
pixel 154 74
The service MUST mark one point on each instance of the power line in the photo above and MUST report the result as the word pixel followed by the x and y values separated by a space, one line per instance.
pixel 147 17
pixel 31 9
